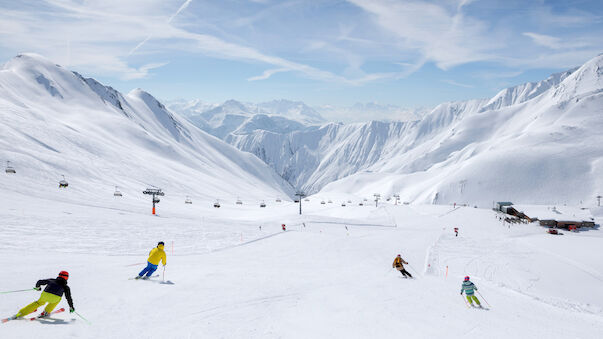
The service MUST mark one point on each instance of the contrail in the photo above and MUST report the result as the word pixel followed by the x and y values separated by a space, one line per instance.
pixel 182 7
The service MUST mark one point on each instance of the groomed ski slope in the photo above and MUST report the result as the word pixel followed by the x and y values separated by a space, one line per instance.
pixel 231 280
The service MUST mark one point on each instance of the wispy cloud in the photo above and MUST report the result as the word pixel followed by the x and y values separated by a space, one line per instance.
pixel 349 43
pixel 458 84
pixel 267 74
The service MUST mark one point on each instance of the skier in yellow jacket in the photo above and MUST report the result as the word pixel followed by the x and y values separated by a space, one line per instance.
pixel 157 254
pixel 398 264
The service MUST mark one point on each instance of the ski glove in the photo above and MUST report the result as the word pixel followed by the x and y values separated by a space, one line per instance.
pixel 38 288
pixel 71 309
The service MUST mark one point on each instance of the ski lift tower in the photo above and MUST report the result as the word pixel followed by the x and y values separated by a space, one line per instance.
pixel 397 197
pixel 154 192
pixel 301 195
pixel 377 197
pixel 599 200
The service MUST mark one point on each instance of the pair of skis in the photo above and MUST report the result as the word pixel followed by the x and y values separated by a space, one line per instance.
pixel 35 318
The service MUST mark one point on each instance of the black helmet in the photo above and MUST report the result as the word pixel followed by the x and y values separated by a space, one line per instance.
pixel 161 243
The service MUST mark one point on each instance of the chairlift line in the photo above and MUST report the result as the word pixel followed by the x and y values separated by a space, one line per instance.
pixel 63 183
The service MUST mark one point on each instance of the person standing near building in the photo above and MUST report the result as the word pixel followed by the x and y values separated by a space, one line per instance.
pixel 157 254
pixel 398 264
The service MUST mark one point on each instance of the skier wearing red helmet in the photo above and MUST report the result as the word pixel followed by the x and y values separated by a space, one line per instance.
pixel 469 288
pixel 52 294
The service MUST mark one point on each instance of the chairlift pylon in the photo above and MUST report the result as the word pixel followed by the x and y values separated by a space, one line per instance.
pixel 63 183
pixel 9 168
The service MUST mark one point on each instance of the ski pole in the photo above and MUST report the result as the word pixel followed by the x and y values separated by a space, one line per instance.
pixel 417 272
pixel 163 277
pixel 31 289
pixel 465 300
pixel 134 264
pixel 487 303
pixel 86 320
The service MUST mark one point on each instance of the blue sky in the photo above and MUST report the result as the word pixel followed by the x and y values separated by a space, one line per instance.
pixel 338 52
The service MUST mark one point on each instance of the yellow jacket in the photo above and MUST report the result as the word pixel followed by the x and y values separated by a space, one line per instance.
pixel 156 255
pixel 398 262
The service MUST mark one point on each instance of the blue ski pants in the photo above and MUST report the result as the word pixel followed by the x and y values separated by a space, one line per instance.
pixel 148 270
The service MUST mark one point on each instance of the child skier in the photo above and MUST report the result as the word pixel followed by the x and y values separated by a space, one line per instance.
pixel 456 231
pixel 468 288
pixel 155 256
pixel 52 295
pixel 398 265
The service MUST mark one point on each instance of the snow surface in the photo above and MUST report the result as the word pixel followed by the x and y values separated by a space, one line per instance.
pixel 54 122
pixel 226 278
pixel 233 273
pixel 534 143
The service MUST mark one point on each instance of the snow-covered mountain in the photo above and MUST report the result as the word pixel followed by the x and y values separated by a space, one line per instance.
pixel 55 122
pixel 360 112
pixel 280 116
pixel 459 151
pixel 531 147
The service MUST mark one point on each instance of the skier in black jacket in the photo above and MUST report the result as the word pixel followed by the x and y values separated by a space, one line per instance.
pixel 55 288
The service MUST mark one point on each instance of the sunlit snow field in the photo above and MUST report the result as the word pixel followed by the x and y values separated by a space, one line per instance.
pixel 229 279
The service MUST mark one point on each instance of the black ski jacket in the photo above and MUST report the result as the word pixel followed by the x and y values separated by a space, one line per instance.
pixel 57 286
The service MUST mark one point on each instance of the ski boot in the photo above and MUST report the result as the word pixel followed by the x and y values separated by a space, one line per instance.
pixel 44 314
pixel 137 277
pixel 146 277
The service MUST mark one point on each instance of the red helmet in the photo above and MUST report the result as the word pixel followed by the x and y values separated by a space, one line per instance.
pixel 64 275
pixel 467 278
pixel 399 255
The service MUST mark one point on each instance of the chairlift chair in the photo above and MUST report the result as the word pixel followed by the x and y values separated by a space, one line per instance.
pixel 360 204
pixel 306 199
pixel 343 204
pixel 63 183
pixel 330 201
pixel 188 200
pixel 239 202
pixel 262 204
pixel 278 199
pixel 322 202
pixel 217 204
pixel 9 168
pixel 117 193
pixel 349 201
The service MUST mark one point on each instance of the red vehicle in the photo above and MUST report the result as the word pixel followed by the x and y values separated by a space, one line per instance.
pixel 552 231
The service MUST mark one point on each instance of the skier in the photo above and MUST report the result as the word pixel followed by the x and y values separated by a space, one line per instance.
pixel 155 256
pixel 284 227
pixel 52 294
pixel 468 288
pixel 456 231
pixel 398 265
